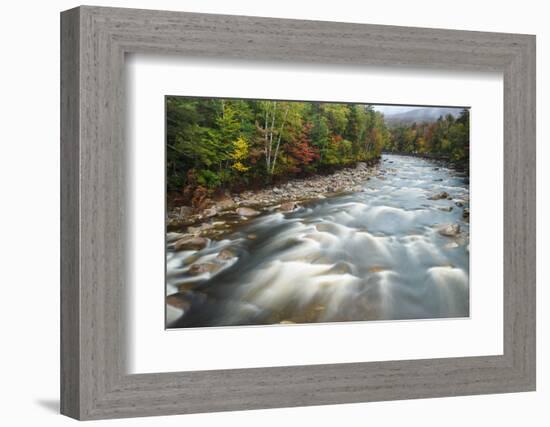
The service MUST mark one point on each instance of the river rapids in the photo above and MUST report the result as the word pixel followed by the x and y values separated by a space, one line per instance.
pixel 375 254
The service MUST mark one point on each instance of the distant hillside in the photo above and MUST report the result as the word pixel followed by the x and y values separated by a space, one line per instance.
pixel 420 115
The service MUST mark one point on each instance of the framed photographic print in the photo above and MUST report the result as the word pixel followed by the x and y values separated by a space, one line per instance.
pixel 261 213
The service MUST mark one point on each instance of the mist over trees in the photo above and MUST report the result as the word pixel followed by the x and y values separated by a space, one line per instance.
pixel 447 137
pixel 220 143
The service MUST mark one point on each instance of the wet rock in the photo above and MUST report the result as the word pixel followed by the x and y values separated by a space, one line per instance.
pixel 252 201
pixel 459 203
pixel 446 208
pixel 207 267
pixel 225 204
pixel 194 230
pixel 438 180
pixel 172 237
pixel 226 254
pixel 466 214
pixel 435 169
pixel 210 212
pixel 179 301
pixel 277 190
pixel 288 206
pixel 199 229
pixel 449 230
pixel 185 211
pixel 248 212
pixel 439 196
pixel 193 243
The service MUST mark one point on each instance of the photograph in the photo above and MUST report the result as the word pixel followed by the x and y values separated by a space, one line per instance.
pixel 293 212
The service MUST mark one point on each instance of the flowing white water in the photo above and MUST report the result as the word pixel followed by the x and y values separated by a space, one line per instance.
pixel 371 255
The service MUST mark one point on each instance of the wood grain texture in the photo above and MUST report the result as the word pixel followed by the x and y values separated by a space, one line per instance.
pixel 94 380
pixel 70 291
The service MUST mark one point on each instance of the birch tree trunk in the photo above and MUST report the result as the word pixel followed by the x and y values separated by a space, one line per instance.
pixel 279 140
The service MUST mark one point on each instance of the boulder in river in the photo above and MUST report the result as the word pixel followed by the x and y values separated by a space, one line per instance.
pixel 193 243
pixel 439 196
pixel 179 301
pixel 206 267
pixel 226 254
pixel 244 211
pixel 446 208
pixel 288 206
pixel 449 230
pixel 466 214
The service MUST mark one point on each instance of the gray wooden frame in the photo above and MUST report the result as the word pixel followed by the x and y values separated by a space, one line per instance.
pixel 94 41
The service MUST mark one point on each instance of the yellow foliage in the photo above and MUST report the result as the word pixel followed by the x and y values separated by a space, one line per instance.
pixel 239 167
pixel 240 153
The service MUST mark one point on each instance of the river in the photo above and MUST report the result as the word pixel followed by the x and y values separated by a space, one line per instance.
pixel 376 254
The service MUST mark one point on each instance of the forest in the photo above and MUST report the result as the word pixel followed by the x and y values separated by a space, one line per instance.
pixel 448 138
pixel 236 144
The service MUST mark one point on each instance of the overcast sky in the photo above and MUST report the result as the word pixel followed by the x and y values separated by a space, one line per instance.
pixel 394 109
pixel 389 110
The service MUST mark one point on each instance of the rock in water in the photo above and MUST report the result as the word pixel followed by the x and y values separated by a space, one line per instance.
pixel 226 254
pixel 446 208
pixel 288 206
pixel 206 267
pixel 449 230
pixel 439 196
pixel 466 214
pixel 247 212
pixel 190 244
pixel 178 300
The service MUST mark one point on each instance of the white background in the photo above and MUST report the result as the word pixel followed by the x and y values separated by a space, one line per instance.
pixel 29 168
pixel 154 350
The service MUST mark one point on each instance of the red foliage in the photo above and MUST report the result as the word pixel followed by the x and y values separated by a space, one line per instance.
pixel 300 150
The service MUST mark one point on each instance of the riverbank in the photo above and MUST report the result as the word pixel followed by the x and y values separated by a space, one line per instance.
pixel 221 214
